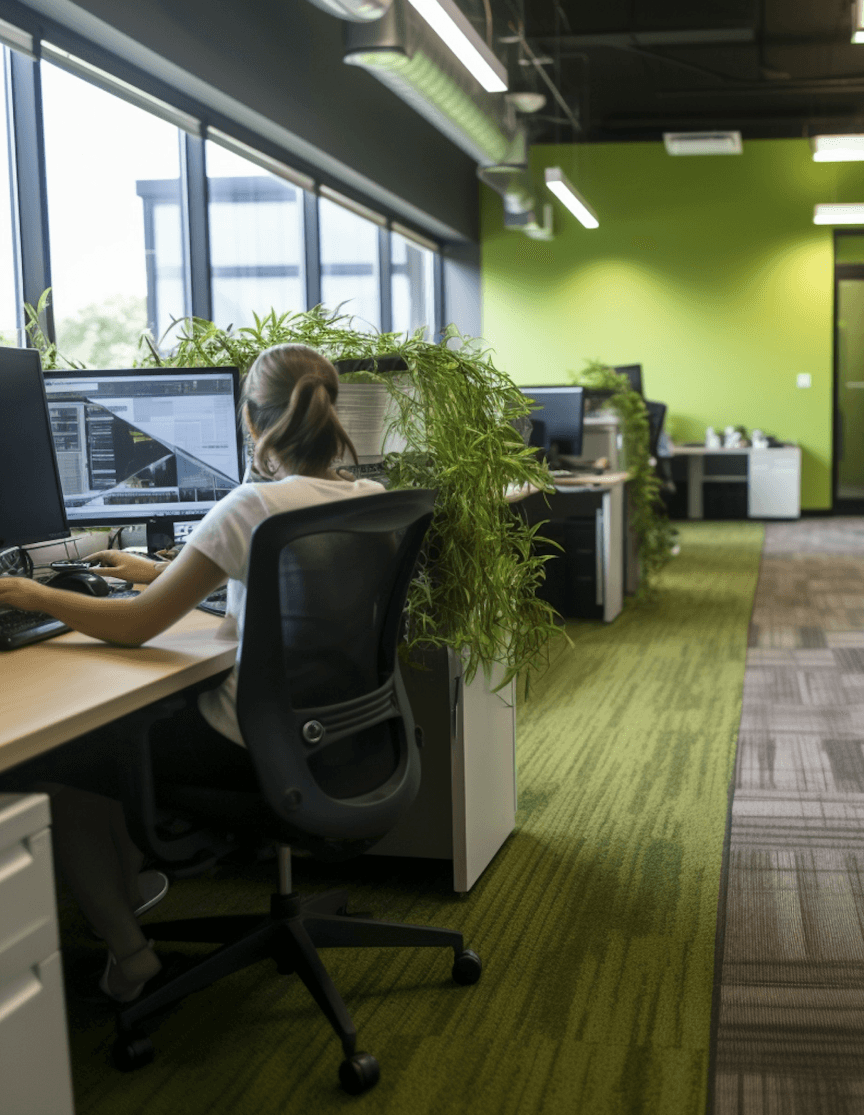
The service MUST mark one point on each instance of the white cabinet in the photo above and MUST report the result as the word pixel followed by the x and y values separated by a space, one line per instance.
pixel 466 806
pixel 34 1053
pixel 774 483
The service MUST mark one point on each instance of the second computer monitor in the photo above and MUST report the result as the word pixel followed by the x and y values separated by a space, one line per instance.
pixel 634 375
pixel 142 445
pixel 557 412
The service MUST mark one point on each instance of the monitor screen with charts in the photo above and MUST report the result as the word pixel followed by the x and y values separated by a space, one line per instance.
pixel 135 445
pixel 31 501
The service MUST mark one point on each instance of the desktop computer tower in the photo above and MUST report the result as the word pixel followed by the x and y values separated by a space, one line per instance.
pixel 573 585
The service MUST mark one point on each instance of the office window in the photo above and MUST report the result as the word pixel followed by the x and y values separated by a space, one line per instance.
pixel 8 296
pixel 349 263
pixel 113 187
pixel 413 286
pixel 256 239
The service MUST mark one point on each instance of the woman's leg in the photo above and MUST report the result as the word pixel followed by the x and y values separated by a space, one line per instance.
pixel 100 864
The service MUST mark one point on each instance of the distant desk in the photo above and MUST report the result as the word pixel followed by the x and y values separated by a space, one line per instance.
pixel 743 482
pixel 588 516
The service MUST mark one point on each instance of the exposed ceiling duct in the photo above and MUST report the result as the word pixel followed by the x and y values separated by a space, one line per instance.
pixel 401 53
pixel 356 11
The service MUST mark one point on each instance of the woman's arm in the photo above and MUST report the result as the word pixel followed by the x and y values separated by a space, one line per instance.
pixel 131 620
pixel 122 564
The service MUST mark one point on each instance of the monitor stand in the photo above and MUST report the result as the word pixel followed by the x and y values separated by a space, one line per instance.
pixel 160 534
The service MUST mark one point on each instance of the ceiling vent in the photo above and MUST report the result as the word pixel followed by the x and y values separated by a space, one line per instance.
pixel 357 11
pixel 702 143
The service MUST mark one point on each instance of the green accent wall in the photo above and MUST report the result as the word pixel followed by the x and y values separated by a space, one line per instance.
pixel 706 270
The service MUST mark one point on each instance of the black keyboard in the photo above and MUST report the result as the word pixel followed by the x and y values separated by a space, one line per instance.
pixel 19 627
pixel 216 602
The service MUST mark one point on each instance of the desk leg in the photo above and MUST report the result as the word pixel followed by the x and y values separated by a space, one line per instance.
pixel 695 474
pixel 613 552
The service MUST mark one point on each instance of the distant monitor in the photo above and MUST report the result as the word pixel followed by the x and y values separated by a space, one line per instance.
pixel 150 446
pixel 634 375
pixel 557 413
pixel 31 506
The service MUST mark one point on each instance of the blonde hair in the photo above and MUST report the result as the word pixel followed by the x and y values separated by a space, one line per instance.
pixel 290 392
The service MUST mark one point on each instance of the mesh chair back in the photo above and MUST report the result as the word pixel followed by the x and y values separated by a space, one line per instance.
pixel 320 699
pixel 656 416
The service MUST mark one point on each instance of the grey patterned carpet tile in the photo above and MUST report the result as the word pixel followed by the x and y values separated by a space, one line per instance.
pixel 784 1094
pixel 843 535
pixel 790 1036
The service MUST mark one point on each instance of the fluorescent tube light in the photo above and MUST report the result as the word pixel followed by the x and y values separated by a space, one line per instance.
pixel 858 21
pixel 455 30
pixel 840 213
pixel 568 195
pixel 836 149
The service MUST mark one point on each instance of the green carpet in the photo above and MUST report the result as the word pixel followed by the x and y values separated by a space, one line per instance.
pixel 596 921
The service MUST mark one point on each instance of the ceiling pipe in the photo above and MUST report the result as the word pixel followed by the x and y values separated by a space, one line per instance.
pixel 418 68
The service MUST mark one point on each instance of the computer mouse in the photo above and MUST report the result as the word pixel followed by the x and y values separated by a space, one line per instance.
pixel 81 581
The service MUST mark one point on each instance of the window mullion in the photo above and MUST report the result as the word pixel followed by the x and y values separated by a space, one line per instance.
pixel 385 280
pixel 29 186
pixel 196 226
pixel 312 242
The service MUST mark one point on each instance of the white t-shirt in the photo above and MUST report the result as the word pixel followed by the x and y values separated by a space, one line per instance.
pixel 225 537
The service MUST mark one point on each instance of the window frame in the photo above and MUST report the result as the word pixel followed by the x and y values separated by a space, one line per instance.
pixel 196 124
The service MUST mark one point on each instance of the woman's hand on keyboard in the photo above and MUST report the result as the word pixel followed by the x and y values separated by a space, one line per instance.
pixel 123 564
pixel 21 593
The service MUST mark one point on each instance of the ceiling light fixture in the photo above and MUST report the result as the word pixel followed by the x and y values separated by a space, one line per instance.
pixel 836 149
pixel 568 195
pixel 455 30
pixel 703 143
pixel 858 21
pixel 839 213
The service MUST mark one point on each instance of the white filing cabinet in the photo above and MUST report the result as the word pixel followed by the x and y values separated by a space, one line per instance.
pixel 774 483
pixel 34 1052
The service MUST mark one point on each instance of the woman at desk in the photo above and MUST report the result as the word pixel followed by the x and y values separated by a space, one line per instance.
pixel 288 408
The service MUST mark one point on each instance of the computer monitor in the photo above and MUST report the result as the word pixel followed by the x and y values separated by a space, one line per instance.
pixel 557 413
pixel 634 375
pixel 31 507
pixel 154 446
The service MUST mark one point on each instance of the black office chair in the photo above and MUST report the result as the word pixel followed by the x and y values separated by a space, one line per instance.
pixel 663 469
pixel 330 732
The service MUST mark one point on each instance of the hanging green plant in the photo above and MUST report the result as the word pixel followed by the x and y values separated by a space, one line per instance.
pixel 478 596
pixel 647 516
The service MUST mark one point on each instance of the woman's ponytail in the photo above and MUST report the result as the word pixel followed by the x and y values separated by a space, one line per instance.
pixel 290 392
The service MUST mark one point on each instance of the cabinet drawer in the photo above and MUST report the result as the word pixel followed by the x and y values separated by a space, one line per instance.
pixel 28 928
pixel 34 1054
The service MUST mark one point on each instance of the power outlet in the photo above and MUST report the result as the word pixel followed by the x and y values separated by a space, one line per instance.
pixel 803 380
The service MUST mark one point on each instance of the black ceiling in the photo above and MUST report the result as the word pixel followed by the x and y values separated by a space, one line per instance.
pixel 633 69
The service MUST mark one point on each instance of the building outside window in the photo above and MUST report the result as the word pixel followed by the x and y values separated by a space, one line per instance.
pixel 349 264
pixel 8 297
pixel 114 274
pixel 256 240
pixel 412 269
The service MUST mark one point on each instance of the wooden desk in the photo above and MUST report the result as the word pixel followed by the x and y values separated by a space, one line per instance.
pixel 55 691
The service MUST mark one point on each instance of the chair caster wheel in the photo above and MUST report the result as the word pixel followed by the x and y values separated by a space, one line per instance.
pixel 131 1052
pixel 359 1073
pixel 467 968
